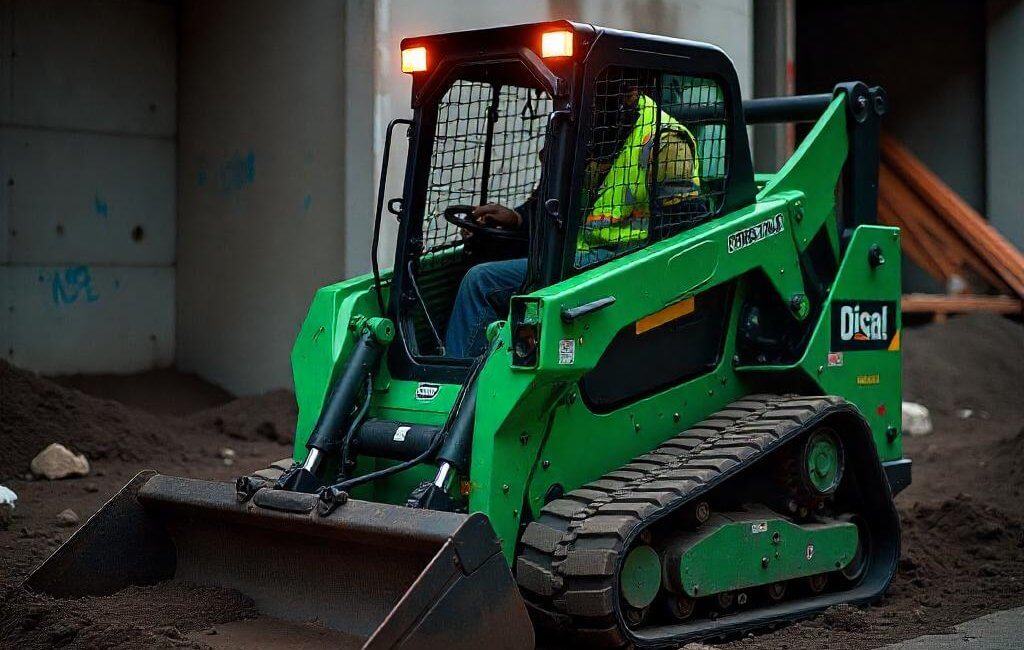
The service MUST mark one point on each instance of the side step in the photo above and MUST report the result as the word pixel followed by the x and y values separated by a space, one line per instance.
pixel 394 577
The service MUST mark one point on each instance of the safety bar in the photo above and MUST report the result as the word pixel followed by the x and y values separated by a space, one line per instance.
pixel 798 108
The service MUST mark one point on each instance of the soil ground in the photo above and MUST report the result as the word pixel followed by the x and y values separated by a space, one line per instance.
pixel 963 520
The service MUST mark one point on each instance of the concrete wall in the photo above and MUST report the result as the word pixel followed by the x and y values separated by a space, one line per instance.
pixel 726 23
pixel 261 223
pixel 774 76
pixel 183 206
pixel 931 63
pixel 1004 108
pixel 87 184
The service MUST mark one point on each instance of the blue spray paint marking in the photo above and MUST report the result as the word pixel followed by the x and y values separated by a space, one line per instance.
pixel 237 172
pixel 306 202
pixel 100 205
pixel 71 285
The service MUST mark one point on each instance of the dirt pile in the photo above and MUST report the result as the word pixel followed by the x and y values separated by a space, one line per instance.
pixel 957 549
pixel 36 412
pixel 1008 465
pixel 969 362
pixel 163 391
pixel 138 617
pixel 270 416
pixel 182 435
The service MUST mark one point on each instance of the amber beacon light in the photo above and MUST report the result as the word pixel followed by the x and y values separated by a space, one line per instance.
pixel 414 59
pixel 557 43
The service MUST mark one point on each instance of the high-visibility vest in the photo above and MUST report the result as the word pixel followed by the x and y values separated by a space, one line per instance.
pixel 621 212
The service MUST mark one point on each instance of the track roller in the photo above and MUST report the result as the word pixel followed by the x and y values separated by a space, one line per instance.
pixel 679 608
pixel 817 583
pixel 776 591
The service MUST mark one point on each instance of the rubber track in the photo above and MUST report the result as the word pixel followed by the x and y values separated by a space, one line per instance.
pixel 567 567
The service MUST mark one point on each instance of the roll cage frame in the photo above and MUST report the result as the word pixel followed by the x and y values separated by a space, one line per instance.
pixel 570 83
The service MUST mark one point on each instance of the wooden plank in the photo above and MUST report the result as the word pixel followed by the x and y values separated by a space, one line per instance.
pixel 934 233
pixel 910 244
pixel 919 226
pixel 949 204
pixel 942 196
pixel 989 244
pixel 963 303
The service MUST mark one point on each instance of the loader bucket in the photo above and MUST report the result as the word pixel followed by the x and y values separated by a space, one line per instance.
pixel 385 576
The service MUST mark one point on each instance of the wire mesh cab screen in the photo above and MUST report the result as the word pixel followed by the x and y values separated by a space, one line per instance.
pixel 656 160
pixel 486 149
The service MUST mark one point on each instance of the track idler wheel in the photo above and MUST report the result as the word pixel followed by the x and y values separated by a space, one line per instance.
pixel 640 583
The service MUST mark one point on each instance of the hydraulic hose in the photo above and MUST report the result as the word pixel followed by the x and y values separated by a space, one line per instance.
pixel 357 421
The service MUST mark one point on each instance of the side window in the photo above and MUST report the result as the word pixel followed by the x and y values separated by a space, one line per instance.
pixel 655 160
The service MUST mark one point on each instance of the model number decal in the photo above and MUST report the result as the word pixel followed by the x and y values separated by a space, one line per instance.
pixel 427 391
pixel 757 232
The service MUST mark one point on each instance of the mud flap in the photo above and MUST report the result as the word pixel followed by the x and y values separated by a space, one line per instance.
pixel 388 576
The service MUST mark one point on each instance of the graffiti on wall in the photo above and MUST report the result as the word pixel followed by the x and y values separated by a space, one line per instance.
pixel 230 175
pixel 73 284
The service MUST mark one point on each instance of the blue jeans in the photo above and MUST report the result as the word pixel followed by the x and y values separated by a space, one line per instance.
pixel 482 299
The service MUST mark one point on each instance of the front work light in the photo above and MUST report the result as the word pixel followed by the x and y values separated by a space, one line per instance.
pixel 558 43
pixel 414 59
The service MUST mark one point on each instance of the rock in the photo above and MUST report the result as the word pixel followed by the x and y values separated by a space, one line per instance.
pixel 7 500
pixel 57 461
pixel 92 488
pixel 917 421
pixel 67 517
pixel 965 414
pixel 697 646
pixel 227 452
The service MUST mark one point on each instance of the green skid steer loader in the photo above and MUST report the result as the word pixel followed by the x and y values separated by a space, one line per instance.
pixel 681 419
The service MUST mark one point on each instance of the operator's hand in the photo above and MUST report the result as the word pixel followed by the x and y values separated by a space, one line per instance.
pixel 497 215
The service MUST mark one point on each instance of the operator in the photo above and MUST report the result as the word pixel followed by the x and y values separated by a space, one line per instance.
pixel 617 189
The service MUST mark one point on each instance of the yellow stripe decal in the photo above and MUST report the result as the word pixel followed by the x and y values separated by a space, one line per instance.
pixel 670 313
pixel 894 345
